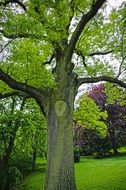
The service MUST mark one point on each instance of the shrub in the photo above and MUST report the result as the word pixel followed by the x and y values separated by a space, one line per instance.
pixel 76 154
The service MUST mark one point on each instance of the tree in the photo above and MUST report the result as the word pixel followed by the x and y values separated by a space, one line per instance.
pixel 22 135
pixel 88 115
pixel 10 121
pixel 58 28
pixel 102 99
pixel 90 142
pixel 112 99
pixel 32 138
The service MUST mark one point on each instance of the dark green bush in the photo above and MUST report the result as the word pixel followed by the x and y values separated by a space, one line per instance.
pixel 23 163
pixel 76 154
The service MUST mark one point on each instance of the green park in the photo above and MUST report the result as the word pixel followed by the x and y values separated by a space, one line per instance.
pixel 62 95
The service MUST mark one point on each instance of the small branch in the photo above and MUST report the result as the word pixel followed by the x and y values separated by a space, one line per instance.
pixel 80 53
pixel 120 67
pixel 101 78
pixel 50 60
pixel 79 10
pixel 6 2
pixel 100 53
pixel 122 54
pixel 6 45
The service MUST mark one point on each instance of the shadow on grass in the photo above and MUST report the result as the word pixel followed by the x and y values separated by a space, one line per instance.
pixel 119 156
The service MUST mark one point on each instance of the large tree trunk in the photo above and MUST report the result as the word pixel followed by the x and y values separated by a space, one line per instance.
pixel 60 159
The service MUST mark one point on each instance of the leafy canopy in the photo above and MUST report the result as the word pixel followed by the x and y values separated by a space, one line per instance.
pixel 90 116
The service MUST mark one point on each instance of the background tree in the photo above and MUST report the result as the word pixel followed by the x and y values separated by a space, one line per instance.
pixel 90 142
pixel 10 121
pixel 108 98
pixel 89 115
pixel 112 99
pixel 20 123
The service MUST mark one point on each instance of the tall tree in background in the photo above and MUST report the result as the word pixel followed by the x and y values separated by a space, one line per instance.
pixel 45 37
pixel 22 134
pixel 10 121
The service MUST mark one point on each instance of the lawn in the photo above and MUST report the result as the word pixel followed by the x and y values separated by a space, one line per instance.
pixel 91 174
pixel 104 174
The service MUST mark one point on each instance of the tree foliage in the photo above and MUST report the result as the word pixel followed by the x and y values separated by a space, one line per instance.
pixel 90 116
pixel 22 132
pixel 47 42
pixel 108 98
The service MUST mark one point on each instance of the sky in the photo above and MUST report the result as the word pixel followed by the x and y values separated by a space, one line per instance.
pixel 114 3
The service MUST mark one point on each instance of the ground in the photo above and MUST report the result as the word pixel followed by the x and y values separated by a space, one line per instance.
pixel 91 174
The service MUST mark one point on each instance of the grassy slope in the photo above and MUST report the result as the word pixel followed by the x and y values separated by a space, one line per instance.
pixel 91 174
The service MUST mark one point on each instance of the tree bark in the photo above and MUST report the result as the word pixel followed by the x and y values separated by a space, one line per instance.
pixel 112 136
pixel 60 159
pixel 114 143
pixel 115 149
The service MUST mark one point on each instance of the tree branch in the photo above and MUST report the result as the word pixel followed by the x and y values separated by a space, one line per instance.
pixel 100 53
pixel 6 2
pixel 32 91
pixel 123 57
pixel 6 45
pixel 50 60
pixel 101 78
pixel 27 90
pixel 14 93
pixel 81 25
pixel 80 53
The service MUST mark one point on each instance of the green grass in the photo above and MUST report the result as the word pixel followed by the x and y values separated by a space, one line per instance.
pixel 104 174
pixel 35 180
pixel 91 174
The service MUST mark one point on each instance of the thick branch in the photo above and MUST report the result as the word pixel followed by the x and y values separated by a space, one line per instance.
pixel 32 91
pixel 41 107
pixel 101 78
pixel 6 2
pixel 81 25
